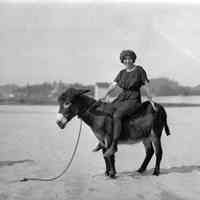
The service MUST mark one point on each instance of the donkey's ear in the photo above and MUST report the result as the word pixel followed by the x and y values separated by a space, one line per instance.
pixel 83 91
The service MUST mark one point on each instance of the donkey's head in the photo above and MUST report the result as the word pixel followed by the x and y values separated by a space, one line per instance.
pixel 68 105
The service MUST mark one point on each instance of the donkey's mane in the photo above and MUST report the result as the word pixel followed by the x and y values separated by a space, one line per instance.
pixel 85 100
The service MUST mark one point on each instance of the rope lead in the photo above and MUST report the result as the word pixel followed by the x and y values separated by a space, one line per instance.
pixel 65 169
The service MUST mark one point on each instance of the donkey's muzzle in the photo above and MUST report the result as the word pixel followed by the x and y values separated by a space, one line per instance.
pixel 61 121
pixel 60 124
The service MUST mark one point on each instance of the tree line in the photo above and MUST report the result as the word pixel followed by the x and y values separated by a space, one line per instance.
pixel 47 93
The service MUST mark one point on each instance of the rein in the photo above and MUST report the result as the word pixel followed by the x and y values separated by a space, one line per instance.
pixel 89 108
pixel 67 166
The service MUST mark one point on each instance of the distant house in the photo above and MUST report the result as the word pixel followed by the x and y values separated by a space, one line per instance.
pixel 100 89
pixel 11 95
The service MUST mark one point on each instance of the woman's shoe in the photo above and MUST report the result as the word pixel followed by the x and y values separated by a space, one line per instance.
pixel 98 147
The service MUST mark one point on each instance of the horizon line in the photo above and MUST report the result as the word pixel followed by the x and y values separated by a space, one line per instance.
pixel 86 84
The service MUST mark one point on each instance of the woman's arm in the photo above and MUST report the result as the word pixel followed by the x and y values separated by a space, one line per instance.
pixel 149 94
pixel 148 90
pixel 111 88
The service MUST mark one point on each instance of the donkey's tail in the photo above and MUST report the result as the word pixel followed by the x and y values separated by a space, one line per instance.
pixel 162 117
pixel 167 130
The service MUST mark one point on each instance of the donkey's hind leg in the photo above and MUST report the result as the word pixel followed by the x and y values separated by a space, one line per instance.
pixel 156 140
pixel 149 153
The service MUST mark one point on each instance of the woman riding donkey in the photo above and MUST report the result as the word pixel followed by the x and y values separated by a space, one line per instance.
pixel 130 80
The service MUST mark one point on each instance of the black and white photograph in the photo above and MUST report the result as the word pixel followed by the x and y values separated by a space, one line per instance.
pixel 99 99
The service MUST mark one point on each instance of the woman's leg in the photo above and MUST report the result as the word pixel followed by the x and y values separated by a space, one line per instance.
pixel 123 109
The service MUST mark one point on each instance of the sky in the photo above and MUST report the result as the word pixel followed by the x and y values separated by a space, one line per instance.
pixel 81 42
pixel 105 1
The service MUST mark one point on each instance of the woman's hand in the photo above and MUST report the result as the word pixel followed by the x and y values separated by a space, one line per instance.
pixel 153 105
pixel 148 89
pixel 104 99
pixel 111 88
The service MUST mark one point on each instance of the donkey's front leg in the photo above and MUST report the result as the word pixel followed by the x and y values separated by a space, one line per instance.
pixel 110 165
pixel 106 163
pixel 112 172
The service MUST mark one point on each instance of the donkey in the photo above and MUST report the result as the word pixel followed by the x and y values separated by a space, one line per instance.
pixel 146 125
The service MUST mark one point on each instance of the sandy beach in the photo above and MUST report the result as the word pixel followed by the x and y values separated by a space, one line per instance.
pixel 31 145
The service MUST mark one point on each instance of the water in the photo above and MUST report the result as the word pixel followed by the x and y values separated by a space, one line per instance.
pixel 31 144
pixel 178 99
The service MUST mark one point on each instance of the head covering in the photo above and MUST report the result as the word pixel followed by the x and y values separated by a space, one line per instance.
pixel 129 53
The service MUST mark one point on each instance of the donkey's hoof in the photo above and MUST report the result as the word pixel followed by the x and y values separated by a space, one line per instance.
pixel 106 173
pixel 140 171
pixel 156 173
pixel 112 174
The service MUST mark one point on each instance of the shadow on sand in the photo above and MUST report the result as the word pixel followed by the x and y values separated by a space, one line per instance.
pixel 181 169
pixel 11 162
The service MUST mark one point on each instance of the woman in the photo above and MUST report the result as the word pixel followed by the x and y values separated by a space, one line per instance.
pixel 130 80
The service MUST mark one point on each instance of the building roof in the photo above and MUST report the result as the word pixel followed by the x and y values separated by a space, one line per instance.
pixel 102 84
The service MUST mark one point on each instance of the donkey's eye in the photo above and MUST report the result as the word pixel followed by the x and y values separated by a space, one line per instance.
pixel 67 105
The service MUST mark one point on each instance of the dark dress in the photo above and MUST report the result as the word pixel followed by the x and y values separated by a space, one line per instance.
pixel 131 83
pixel 130 98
